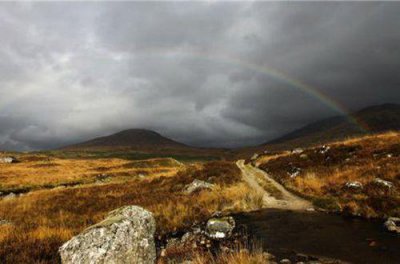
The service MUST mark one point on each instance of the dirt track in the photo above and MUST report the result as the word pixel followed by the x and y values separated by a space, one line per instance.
pixel 289 201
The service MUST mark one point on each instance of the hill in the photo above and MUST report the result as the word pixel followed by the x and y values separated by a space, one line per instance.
pixel 139 144
pixel 371 120
pixel 140 139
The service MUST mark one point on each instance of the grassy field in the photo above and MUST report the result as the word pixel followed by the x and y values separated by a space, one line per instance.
pixel 322 174
pixel 44 219
pixel 39 171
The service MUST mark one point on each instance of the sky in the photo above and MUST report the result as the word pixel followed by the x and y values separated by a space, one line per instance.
pixel 203 73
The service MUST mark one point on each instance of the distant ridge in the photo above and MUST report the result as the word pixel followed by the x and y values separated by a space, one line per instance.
pixel 375 119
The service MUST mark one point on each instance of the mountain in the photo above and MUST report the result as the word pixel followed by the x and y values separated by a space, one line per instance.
pixel 374 119
pixel 138 139
pixel 141 143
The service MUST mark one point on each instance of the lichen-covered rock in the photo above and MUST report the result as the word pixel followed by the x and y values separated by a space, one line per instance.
pixel 125 236
pixel 198 185
pixel 392 224
pixel 220 228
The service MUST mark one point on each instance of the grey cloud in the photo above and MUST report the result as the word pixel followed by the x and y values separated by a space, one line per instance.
pixel 196 72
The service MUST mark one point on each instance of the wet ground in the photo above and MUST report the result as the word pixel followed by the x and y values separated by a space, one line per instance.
pixel 286 233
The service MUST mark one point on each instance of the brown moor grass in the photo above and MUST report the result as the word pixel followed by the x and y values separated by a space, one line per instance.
pixel 324 173
pixel 38 171
pixel 44 220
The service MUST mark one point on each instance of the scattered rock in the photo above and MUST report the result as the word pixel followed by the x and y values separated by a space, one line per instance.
pixel 102 177
pixel 254 157
pixel 383 183
pixel 324 149
pixel 285 261
pixel 297 151
pixel 354 185
pixel 198 185
pixel 392 224
pixel 294 172
pixel 304 156
pixel 220 228
pixel 125 236
pixel 10 196
pixel 8 160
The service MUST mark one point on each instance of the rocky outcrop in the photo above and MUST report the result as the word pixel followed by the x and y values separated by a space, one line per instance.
pixel 125 236
pixel 392 224
pixel 198 185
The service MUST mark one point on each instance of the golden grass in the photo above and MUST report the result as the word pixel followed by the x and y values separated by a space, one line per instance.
pixel 242 255
pixel 38 171
pixel 324 175
pixel 44 219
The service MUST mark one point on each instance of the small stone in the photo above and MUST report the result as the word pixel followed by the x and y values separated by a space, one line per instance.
pixel 383 183
pixel 198 185
pixel 8 160
pixel 10 196
pixel 392 224
pixel 285 261
pixel 354 185
pixel 220 228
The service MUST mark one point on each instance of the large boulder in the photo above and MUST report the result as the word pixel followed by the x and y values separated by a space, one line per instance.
pixel 125 236
pixel 198 185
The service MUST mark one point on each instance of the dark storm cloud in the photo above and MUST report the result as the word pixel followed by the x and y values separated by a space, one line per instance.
pixel 196 72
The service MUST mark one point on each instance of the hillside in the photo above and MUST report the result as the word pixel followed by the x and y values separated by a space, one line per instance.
pixel 357 176
pixel 374 119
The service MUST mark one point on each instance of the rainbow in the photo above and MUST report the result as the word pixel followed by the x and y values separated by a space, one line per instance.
pixel 312 91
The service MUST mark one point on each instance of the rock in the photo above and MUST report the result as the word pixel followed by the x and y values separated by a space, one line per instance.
pixel 220 228
pixel 8 160
pixel 102 177
pixel 297 151
pixel 125 236
pixel 383 183
pixel 294 172
pixel 10 196
pixel 324 149
pixel 285 261
pixel 254 157
pixel 392 224
pixel 198 185
pixel 354 185
pixel 304 156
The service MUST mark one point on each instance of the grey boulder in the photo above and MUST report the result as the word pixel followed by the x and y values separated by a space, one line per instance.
pixel 125 236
